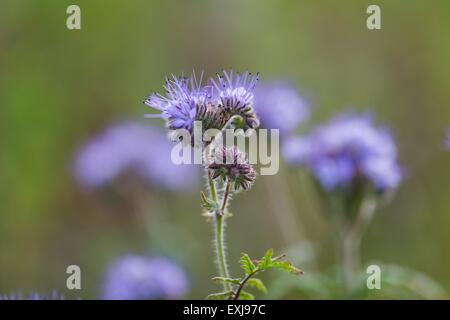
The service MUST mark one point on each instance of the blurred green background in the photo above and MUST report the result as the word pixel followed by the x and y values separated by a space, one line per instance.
pixel 59 87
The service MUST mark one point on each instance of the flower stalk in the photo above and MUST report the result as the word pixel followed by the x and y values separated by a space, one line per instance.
pixel 350 243
pixel 219 229
pixel 226 196
pixel 220 248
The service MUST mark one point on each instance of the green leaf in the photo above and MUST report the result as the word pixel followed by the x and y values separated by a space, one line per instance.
pixel 246 264
pixel 286 266
pixel 266 260
pixel 220 295
pixel 244 295
pixel 258 284
pixel 207 203
pixel 226 280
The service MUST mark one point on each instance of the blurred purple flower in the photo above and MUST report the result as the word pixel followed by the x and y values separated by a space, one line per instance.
pixel 347 149
pixel 33 296
pixel 447 139
pixel 132 146
pixel 279 106
pixel 134 277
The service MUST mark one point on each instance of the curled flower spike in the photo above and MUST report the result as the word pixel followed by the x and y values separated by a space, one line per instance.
pixel 231 164
pixel 236 94
pixel 211 116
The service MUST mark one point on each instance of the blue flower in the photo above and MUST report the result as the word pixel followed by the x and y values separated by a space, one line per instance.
pixel 179 106
pixel 235 94
pixel 33 296
pixel 347 150
pixel 132 147
pixel 134 277
pixel 188 100
pixel 279 106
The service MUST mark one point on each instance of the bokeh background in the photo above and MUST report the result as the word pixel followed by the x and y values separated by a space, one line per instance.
pixel 58 88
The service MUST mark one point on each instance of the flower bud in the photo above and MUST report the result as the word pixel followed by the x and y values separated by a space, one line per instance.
pixel 231 164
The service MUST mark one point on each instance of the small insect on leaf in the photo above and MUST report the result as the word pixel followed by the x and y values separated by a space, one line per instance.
pixel 258 284
pixel 220 295
pixel 246 264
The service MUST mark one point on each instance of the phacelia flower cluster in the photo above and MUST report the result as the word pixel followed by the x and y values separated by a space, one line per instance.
pixel 135 277
pixel 231 163
pixel 348 150
pixel 187 100
pixel 279 106
pixel 132 147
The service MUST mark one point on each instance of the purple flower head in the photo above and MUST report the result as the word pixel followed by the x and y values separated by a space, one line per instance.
pixel 134 277
pixel 235 92
pixel 179 105
pixel 187 100
pixel 279 106
pixel 346 150
pixel 33 296
pixel 132 146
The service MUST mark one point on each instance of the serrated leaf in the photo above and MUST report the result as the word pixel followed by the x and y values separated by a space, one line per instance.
pixel 207 203
pixel 286 266
pixel 226 280
pixel 258 284
pixel 266 260
pixel 203 197
pixel 244 295
pixel 246 264
pixel 220 295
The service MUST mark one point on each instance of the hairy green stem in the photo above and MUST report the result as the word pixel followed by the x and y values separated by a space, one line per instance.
pixel 226 196
pixel 350 259
pixel 219 226
pixel 219 221
pixel 220 249
pixel 212 187
pixel 350 242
